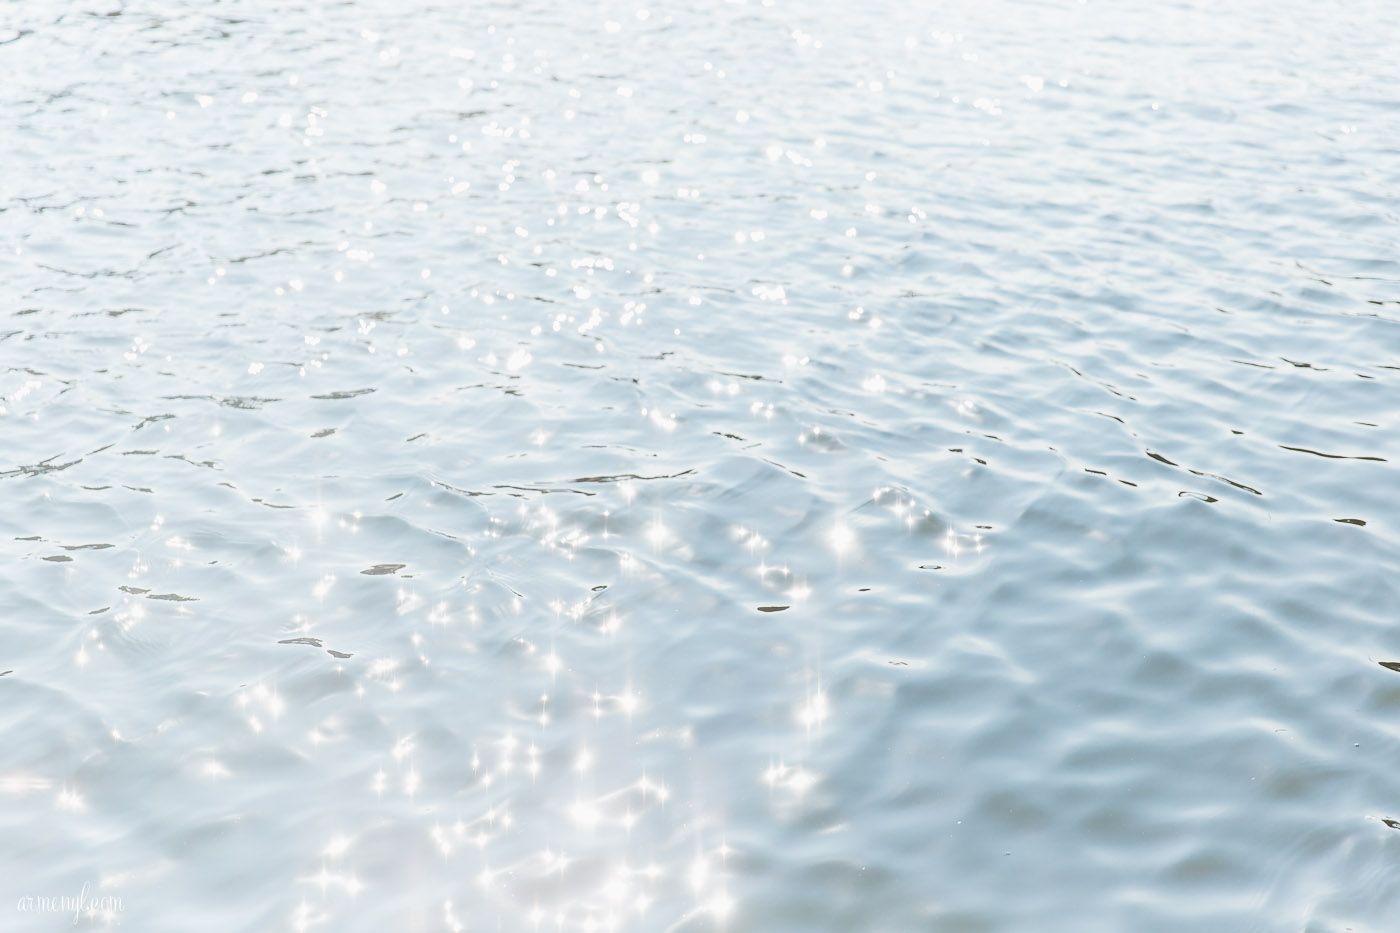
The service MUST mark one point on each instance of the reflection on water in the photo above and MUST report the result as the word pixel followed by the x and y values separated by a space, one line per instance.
pixel 761 466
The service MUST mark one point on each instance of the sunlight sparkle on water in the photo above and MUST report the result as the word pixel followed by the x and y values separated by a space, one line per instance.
pixel 843 539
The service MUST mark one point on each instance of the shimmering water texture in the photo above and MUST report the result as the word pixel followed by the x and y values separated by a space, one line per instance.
pixel 736 466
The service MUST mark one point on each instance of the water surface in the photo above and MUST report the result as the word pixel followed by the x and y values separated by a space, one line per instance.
pixel 730 466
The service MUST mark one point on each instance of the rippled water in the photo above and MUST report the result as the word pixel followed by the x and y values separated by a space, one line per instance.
pixel 763 466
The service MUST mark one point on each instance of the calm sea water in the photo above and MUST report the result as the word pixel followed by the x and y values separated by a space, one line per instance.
pixel 752 466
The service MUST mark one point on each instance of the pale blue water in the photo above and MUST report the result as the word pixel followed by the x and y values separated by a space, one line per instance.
pixel 755 467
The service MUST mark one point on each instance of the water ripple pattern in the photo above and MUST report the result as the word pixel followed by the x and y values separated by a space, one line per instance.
pixel 755 466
